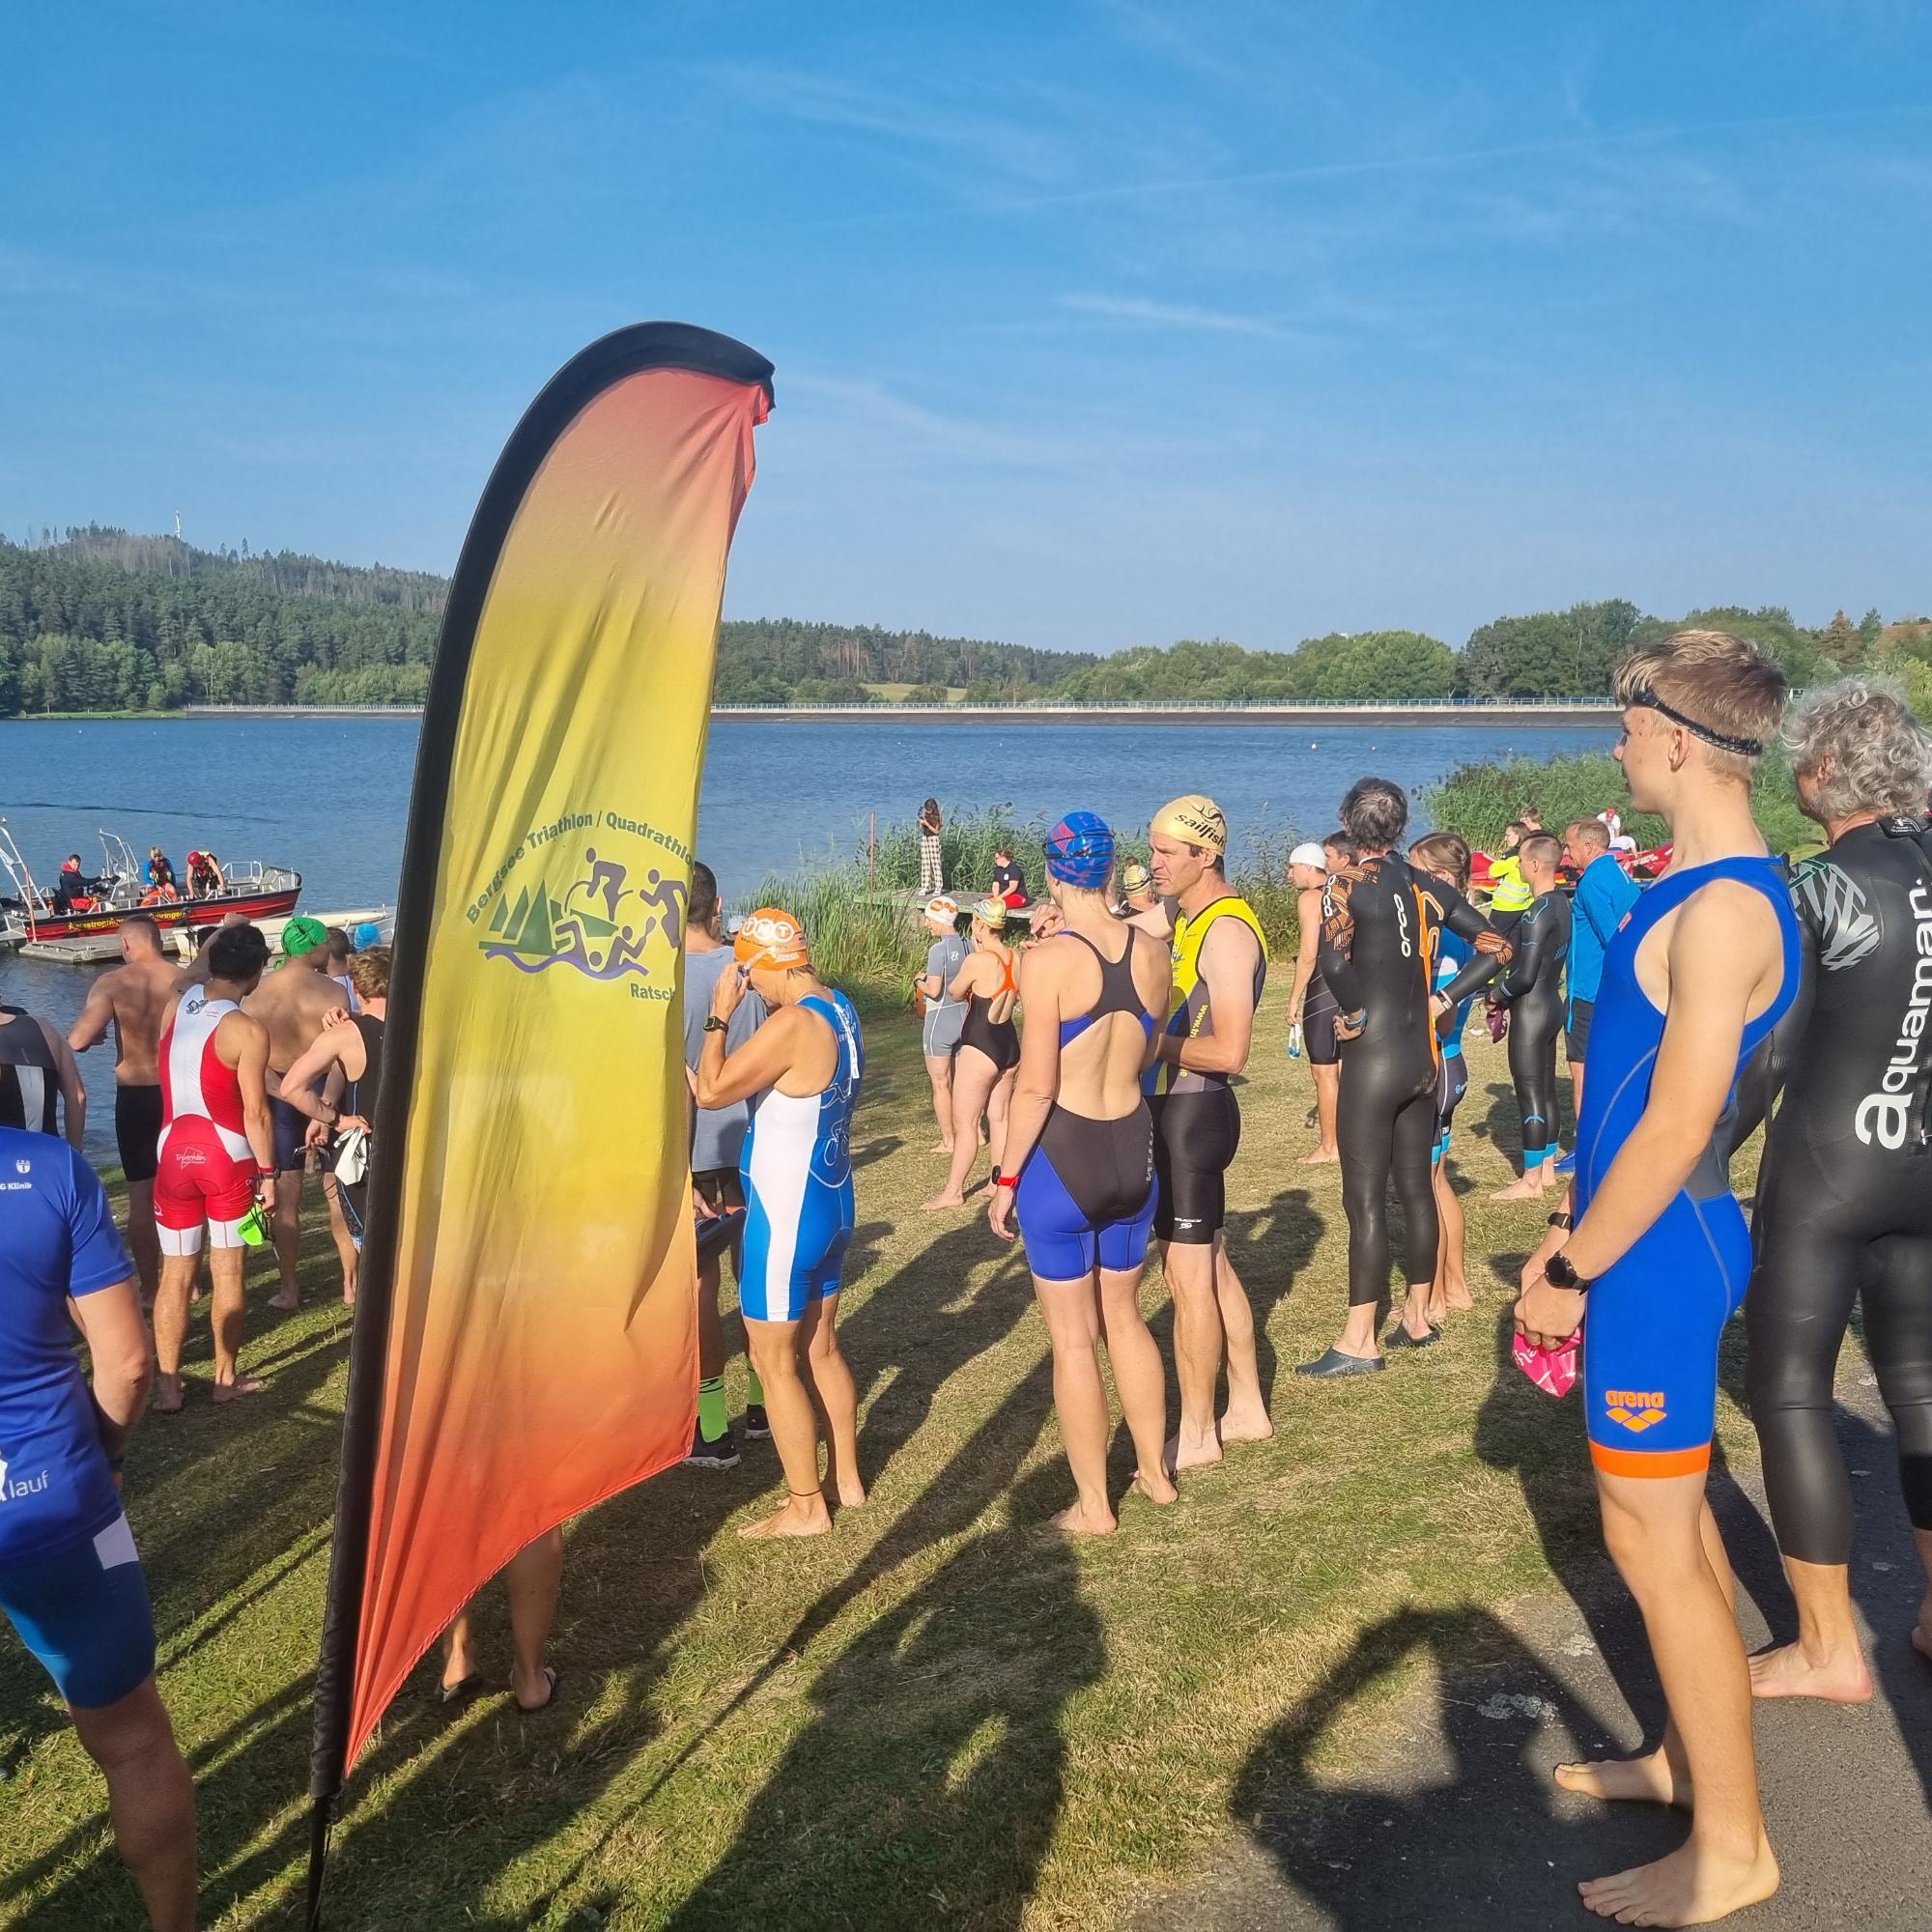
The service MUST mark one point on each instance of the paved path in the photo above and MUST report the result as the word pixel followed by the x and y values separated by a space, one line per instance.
pixel 1454 1824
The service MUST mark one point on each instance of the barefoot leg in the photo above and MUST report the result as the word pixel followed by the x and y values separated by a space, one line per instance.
pixel 1245 1419
pixel 1197 1337
pixel 1072 1312
pixel 1139 1377
pixel 774 1348
pixel 1826 1661
pixel 835 1400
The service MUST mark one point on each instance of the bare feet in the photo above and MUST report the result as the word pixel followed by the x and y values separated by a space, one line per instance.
pixel 1080 1520
pixel 1159 1489
pixel 1188 1451
pixel 1457 1294
pixel 1692 1887
pixel 1787 1672
pixel 1246 1424
pixel 1524 1189
pixel 802 1516
pixel 241 1385
pixel 851 1492
pixel 349 1298
pixel 1650 1779
pixel 941 1200
pixel 1320 1157
pixel 940 1147
pixel 285 1301
pixel 168 1394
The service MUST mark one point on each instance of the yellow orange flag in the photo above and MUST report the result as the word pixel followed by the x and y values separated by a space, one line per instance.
pixel 526 1343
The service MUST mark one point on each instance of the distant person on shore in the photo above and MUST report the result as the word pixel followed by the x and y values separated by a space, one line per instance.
pixel 292 1003
pixel 335 1083
pixel 988 1054
pixel 944 1015
pixel 1079 1169
pixel 931 866
pixel 71 1578
pixel 803 1065
pixel 717 1141
pixel 216 1158
pixel 131 999
pixel 1219 960
pixel 1311 1005
pixel 1009 882
pixel 39 1080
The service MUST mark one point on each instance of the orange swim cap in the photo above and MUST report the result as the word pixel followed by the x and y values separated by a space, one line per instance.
pixel 771 937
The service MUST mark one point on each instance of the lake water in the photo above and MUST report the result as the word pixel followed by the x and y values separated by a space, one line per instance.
pixel 329 796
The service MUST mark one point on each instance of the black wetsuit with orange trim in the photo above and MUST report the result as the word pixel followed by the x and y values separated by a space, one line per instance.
pixel 1377 956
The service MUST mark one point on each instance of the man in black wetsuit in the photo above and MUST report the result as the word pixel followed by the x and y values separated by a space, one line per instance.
pixel 1376 956
pixel 1844 1201
pixel 1532 990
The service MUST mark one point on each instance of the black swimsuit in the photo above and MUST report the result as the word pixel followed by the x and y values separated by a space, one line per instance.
pixel 998 1039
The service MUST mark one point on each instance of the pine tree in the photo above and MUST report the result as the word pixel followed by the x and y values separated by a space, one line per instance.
pixel 1840 642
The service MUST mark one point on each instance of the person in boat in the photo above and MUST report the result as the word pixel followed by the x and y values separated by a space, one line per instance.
pixel 72 885
pixel 160 874
pixel 204 875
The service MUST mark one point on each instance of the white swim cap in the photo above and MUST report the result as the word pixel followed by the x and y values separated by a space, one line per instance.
pixel 1308 853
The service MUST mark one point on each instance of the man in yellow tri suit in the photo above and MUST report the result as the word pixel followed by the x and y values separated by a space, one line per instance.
pixel 1220 962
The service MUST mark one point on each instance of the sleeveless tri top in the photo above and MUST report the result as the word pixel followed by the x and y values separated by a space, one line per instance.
pixel 1192 1015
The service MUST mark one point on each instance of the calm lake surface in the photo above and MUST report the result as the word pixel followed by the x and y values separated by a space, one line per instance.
pixel 329 795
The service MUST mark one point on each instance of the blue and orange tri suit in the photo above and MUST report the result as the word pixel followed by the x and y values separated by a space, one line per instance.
pixel 1649 1337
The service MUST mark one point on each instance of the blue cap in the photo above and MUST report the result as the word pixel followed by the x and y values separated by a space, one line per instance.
pixel 1080 850
pixel 367 935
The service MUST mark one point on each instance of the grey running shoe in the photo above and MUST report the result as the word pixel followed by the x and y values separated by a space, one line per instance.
pixel 1335 1363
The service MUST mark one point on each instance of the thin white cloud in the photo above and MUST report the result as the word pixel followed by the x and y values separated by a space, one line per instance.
pixel 1175 314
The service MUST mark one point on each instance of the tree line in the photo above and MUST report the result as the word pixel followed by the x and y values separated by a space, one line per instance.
pixel 97 620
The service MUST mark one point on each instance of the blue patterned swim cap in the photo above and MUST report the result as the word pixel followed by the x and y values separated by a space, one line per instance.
pixel 1080 850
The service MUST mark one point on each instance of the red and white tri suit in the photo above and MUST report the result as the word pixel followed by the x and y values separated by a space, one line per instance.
pixel 207 1166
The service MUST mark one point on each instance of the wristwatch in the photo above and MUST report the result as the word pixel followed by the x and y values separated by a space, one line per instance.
pixel 1564 1221
pixel 712 1024
pixel 1559 1273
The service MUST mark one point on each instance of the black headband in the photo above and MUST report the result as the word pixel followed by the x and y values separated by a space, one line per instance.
pixel 1647 699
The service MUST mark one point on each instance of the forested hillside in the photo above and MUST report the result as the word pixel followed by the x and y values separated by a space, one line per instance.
pixel 101 620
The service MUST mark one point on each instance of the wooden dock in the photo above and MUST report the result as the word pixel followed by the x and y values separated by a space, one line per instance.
pixel 96 949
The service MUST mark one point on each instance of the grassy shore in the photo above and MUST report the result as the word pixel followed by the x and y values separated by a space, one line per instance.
pixel 943 1714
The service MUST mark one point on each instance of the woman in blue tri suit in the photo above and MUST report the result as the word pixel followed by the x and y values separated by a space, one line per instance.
pixel 803 1067
pixel 1079 1164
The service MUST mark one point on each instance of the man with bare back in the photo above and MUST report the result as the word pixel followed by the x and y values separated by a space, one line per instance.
pixel 293 1004
pixel 131 998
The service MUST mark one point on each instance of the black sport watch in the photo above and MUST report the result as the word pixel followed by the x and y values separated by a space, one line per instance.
pixel 712 1024
pixel 1559 1273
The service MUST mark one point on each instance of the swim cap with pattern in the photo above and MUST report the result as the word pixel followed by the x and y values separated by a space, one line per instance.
pixel 1196 819
pixel 770 937
pixel 1080 850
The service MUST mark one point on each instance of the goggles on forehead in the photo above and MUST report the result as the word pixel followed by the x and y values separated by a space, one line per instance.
pixel 1646 699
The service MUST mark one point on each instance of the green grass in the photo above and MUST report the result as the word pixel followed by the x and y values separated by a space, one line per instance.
pixel 943 1714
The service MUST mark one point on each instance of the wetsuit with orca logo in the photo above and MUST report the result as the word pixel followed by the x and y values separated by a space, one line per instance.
pixel 1844 1204
pixel 1532 989
pixel 1377 955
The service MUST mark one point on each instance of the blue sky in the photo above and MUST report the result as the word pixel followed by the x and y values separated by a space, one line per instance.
pixel 1096 323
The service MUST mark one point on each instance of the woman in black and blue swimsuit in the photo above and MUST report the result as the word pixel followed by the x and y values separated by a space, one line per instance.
pixel 1079 1165
pixel 988 1053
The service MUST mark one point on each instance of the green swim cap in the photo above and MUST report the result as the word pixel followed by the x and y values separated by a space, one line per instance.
pixel 302 935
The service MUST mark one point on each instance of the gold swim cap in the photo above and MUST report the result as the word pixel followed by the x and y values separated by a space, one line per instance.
pixel 1136 877
pixel 991 912
pixel 1196 819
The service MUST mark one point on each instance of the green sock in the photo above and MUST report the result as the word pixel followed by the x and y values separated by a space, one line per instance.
pixel 712 1421
pixel 755 1392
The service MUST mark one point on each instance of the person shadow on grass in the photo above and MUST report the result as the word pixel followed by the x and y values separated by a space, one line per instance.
pixel 1467 1828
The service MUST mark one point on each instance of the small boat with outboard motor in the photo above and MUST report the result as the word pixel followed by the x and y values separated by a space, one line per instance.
pixel 81 905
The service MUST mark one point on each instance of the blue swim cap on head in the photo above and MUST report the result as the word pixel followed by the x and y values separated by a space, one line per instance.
pixel 1080 850
pixel 367 935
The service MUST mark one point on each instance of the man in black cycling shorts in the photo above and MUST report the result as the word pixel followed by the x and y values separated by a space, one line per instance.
pixel 1845 1195
pixel 1378 954
pixel 1220 962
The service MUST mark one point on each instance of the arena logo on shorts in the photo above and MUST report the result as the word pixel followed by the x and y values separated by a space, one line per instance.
pixel 1636 1409
pixel 1886 1115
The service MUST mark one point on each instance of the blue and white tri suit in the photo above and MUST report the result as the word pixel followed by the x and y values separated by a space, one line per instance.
pixel 796 1169
pixel 1452 1076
